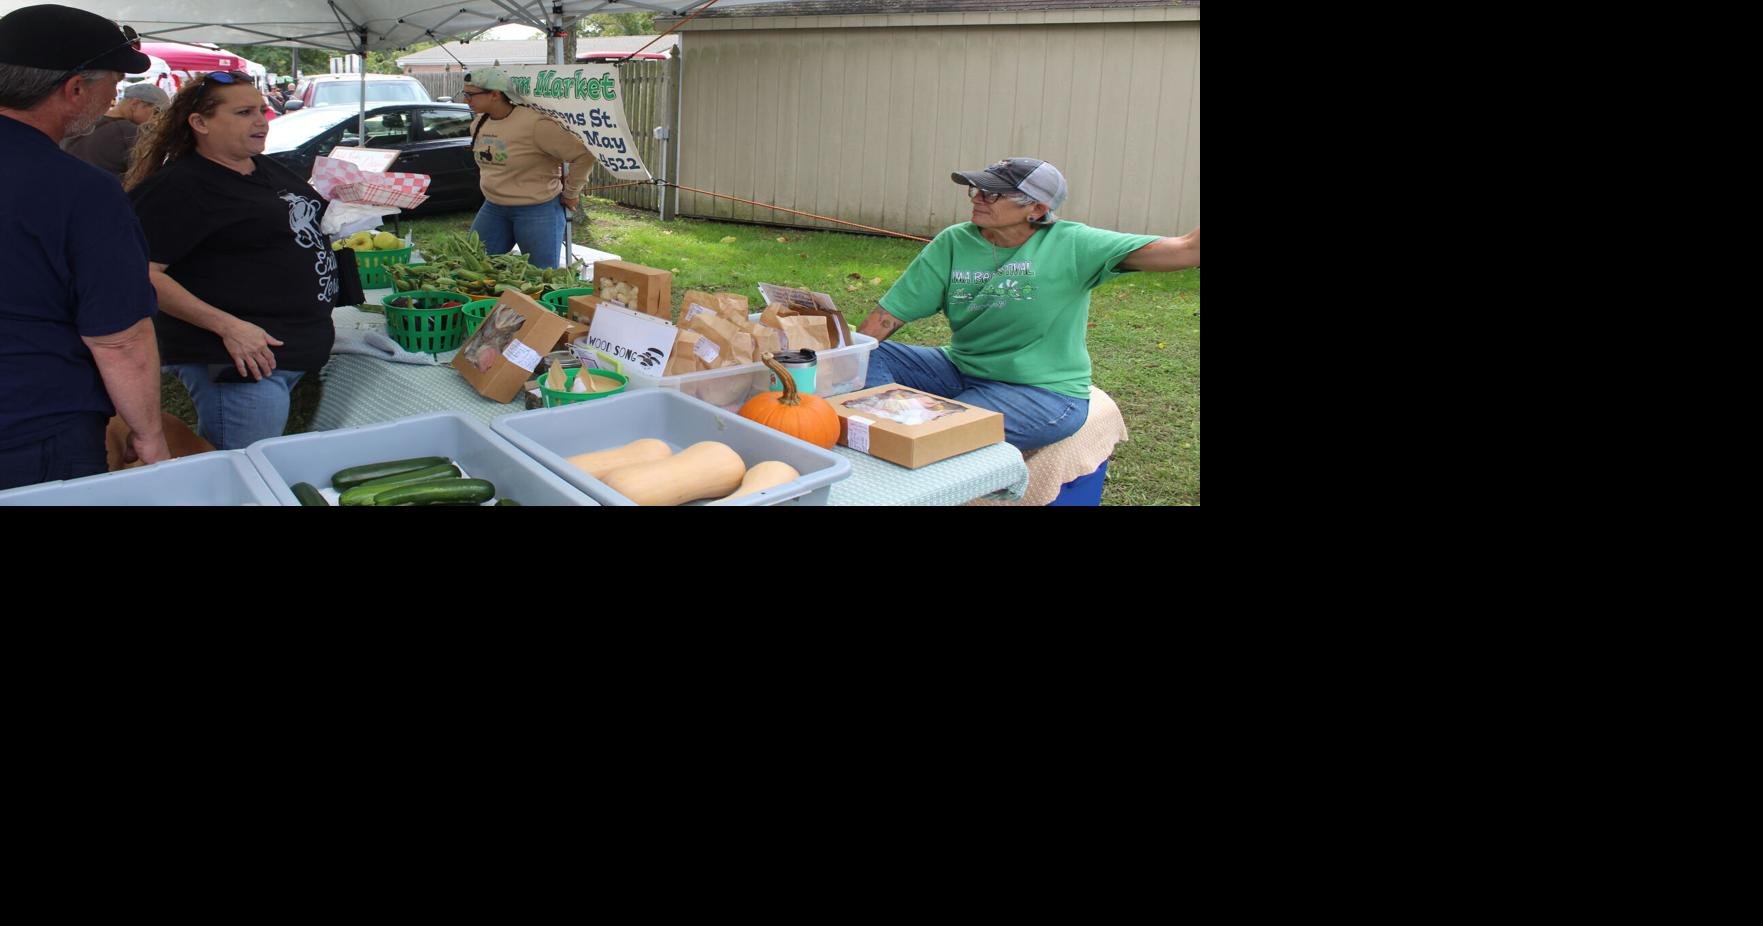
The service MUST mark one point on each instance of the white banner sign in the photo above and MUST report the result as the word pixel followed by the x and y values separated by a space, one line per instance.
pixel 589 101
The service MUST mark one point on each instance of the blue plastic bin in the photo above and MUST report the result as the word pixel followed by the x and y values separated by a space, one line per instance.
pixel 1084 490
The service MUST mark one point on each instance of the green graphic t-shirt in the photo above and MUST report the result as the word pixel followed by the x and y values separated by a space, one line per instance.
pixel 1019 315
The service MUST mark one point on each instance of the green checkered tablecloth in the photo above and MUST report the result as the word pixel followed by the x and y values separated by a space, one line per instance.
pixel 360 389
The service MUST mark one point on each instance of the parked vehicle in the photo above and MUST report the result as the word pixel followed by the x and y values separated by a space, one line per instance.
pixel 345 90
pixel 431 138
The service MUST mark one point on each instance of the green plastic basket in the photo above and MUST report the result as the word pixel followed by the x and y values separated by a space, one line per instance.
pixel 557 300
pixel 554 399
pixel 475 312
pixel 426 326
pixel 373 264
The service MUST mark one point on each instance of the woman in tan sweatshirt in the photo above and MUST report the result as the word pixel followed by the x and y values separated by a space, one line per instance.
pixel 518 154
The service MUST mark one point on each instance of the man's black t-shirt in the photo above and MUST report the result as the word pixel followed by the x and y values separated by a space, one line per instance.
pixel 247 244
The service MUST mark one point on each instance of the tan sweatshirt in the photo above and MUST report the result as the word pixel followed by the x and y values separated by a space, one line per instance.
pixel 517 159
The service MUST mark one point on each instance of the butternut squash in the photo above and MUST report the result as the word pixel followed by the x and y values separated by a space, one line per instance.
pixel 707 469
pixel 641 450
pixel 763 476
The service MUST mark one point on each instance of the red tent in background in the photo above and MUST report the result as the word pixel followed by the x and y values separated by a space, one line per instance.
pixel 192 58
pixel 186 61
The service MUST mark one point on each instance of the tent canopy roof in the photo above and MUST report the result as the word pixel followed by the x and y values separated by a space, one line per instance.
pixel 343 25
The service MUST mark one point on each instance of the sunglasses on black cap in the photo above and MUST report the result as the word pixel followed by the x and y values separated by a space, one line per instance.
pixel 130 39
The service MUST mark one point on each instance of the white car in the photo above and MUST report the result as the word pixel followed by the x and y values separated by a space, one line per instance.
pixel 345 90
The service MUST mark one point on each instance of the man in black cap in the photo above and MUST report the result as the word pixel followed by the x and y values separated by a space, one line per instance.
pixel 76 314
pixel 1015 283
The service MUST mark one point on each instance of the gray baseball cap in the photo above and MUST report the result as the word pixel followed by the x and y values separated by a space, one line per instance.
pixel 147 93
pixel 1034 178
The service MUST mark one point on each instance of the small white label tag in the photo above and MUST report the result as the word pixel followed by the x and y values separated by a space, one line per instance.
pixel 692 312
pixel 857 433
pixel 707 350
pixel 521 355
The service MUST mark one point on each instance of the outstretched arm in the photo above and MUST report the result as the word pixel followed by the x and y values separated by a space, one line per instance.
pixel 1166 254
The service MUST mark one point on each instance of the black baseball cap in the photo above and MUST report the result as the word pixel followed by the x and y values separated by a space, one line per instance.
pixel 60 38
pixel 1032 177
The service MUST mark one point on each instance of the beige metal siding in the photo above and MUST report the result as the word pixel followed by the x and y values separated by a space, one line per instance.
pixel 864 123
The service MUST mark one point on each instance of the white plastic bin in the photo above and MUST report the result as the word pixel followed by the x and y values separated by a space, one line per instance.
pixel 837 371
pixel 315 456
pixel 550 435
pixel 219 477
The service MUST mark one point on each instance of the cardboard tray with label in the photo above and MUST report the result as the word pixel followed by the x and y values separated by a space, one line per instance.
pixel 911 427
pixel 505 349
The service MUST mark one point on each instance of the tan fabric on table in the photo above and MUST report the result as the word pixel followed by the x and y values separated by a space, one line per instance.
pixel 1054 465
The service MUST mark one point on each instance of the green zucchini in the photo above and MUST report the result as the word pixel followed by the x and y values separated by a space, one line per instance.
pixel 439 492
pixel 364 493
pixel 309 496
pixel 355 475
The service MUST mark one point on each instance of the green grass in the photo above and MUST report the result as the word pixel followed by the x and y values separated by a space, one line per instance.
pixel 1144 328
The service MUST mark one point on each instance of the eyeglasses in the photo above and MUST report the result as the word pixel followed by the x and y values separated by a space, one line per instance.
pixel 468 94
pixel 975 193
pixel 130 39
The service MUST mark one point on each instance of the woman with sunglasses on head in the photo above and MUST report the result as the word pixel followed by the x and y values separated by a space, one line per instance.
pixel 245 278
pixel 1015 283
pixel 519 155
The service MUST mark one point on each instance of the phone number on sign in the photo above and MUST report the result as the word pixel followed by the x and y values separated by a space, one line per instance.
pixel 615 164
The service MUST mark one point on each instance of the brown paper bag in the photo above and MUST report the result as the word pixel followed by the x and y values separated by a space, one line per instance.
pixel 803 331
pixel 733 306
pixel 683 359
pixel 696 302
pixel 767 338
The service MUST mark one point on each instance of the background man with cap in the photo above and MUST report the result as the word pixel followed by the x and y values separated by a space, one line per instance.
pixel 108 145
pixel 1015 283
pixel 76 326
pixel 519 154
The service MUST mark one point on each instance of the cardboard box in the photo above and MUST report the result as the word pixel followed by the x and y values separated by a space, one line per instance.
pixel 911 427
pixel 654 287
pixel 581 309
pixel 572 330
pixel 505 349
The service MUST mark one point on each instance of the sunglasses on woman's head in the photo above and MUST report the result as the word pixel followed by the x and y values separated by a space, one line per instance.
pixel 222 77
pixel 130 39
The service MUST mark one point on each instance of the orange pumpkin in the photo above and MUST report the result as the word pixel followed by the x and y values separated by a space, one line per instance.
pixel 797 414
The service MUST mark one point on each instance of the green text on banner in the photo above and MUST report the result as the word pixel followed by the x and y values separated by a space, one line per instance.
pixel 588 102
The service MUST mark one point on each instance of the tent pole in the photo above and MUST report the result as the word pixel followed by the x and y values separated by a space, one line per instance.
pixel 361 114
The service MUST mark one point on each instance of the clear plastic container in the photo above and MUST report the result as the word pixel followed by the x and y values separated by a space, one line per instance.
pixel 839 370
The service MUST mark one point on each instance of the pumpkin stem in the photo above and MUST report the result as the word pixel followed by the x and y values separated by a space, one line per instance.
pixel 783 376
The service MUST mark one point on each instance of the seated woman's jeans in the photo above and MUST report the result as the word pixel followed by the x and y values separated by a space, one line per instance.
pixel 1033 417
pixel 233 416
pixel 537 229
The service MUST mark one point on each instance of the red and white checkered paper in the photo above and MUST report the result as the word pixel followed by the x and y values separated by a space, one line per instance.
pixel 338 180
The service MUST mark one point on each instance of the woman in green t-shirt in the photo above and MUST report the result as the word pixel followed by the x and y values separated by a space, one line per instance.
pixel 1015 283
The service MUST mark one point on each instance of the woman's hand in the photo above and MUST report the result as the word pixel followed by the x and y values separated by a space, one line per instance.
pixel 569 202
pixel 249 346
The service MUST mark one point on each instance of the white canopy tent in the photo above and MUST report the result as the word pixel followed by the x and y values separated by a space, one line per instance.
pixel 360 26
pixel 357 25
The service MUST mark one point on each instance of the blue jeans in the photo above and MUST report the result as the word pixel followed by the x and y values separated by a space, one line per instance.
pixel 537 229
pixel 1033 417
pixel 235 415
pixel 75 450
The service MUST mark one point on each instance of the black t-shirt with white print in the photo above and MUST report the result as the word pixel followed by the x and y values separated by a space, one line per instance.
pixel 245 243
